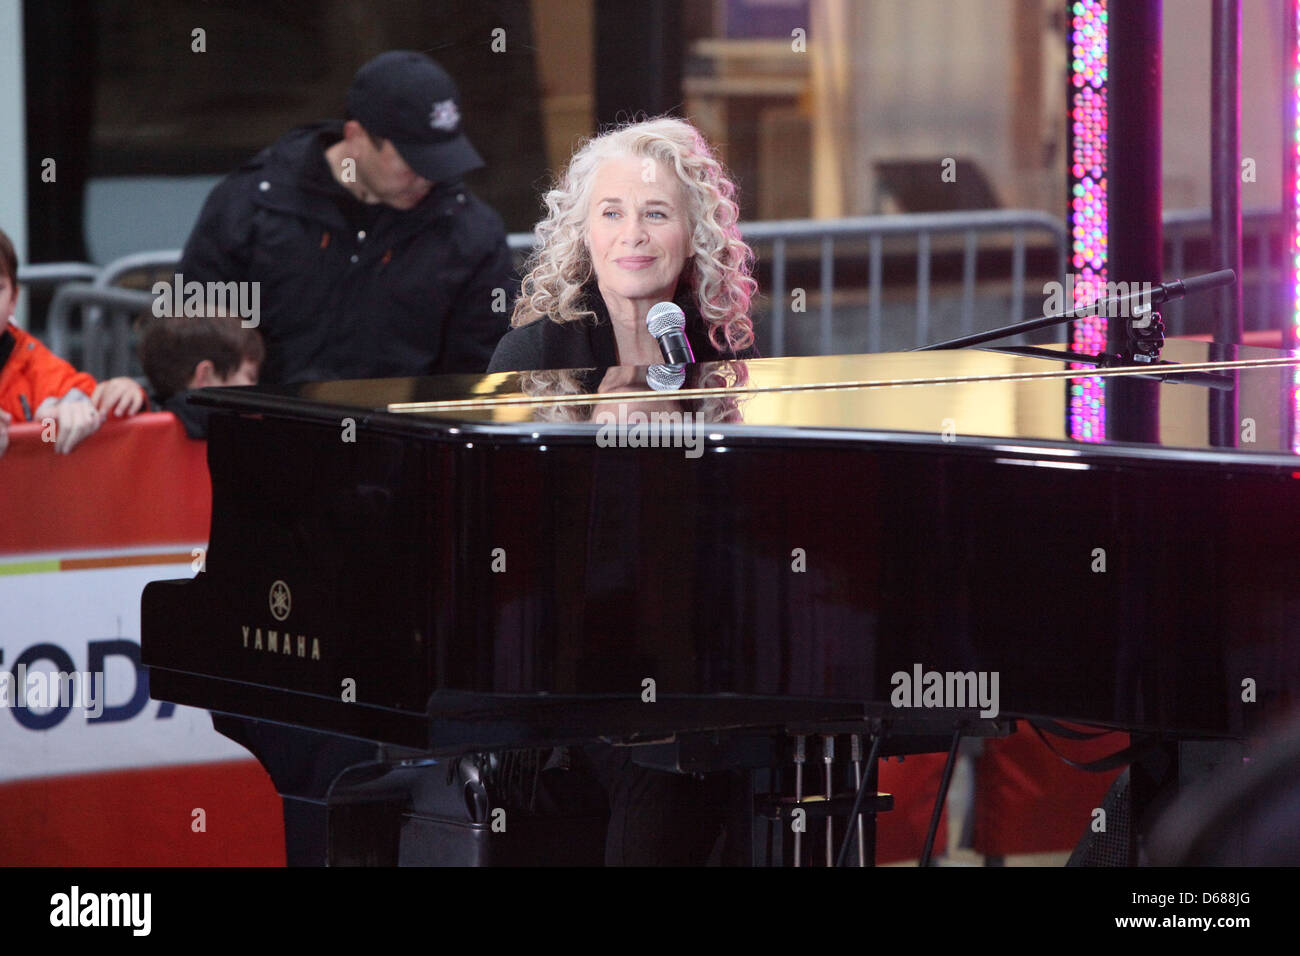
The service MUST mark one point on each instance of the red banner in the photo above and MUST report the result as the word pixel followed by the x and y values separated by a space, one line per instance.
pixel 136 481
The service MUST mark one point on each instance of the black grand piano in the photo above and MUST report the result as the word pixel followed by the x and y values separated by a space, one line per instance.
pixel 417 589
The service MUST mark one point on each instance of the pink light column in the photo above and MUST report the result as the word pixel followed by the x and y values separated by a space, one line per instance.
pixel 1088 204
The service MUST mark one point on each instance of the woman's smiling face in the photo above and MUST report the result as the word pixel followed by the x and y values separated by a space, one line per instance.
pixel 637 229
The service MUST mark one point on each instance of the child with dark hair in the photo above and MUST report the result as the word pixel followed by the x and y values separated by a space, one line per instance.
pixel 182 353
pixel 35 384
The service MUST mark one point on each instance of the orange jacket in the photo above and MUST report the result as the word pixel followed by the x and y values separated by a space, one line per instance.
pixel 32 373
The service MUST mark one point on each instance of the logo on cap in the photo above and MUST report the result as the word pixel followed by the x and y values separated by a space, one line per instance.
pixel 444 115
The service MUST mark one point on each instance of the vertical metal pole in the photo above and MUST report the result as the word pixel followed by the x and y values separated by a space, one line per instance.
pixel 1018 280
pixel 1290 213
pixel 873 320
pixel 1225 169
pixel 923 289
pixel 13 144
pixel 1133 156
pixel 1225 203
pixel 1177 325
pixel 828 291
pixel 778 297
pixel 799 758
pixel 856 744
pixel 1263 250
pixel 828 757
pixel 1134 226
pixel 968 266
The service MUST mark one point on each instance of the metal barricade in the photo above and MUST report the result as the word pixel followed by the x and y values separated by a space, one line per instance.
pixel 151 263
pixel 116 339
pixel 777 236
pixel 45 274
pixel 100 358
pixel 821 241
pixel 1262 232
pixel 971 226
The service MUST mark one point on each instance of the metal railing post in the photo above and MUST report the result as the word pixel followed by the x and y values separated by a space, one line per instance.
pixel 968 261
pixel 778 296
pixel 875 281
pixel 1018 278
pixel 923 288
pixel 828 291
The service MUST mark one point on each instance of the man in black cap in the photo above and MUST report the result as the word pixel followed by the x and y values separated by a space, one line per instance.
pixel 360 251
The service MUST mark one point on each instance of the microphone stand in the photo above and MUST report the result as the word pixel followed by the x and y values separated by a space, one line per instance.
pixel 1145 330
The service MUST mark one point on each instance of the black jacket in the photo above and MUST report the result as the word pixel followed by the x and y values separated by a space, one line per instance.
pixel 194 418
pixel 584 343
pixel 412 293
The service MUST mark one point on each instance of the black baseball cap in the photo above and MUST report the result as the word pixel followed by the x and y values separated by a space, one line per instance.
pixel 405 97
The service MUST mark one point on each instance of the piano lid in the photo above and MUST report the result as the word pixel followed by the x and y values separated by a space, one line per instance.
pixel 1220 399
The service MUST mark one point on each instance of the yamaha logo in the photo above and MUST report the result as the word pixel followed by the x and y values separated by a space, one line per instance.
pixel 279 642
pixel 281 600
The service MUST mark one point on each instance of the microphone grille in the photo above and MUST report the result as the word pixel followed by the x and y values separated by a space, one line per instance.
pixel 665 317
pixel 665 378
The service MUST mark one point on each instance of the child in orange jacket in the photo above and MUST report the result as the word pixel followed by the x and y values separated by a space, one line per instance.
pixel 35 384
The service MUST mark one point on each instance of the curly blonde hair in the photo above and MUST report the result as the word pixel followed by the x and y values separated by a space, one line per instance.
pixel 719 269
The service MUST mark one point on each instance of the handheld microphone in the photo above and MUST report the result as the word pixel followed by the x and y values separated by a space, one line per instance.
pixel 665 378
pixel 667 323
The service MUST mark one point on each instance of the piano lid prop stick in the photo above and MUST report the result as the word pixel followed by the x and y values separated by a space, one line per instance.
pixel 877 740
pixel 855 752
pixel 798 792
pixel 940 798
pixel 828 757
pixel 1144 298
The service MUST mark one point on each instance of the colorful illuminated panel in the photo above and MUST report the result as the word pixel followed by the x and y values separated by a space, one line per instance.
pixel 1088 203
pixel 1295 213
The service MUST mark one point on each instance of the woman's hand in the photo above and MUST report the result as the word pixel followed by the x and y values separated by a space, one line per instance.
pixel 118 396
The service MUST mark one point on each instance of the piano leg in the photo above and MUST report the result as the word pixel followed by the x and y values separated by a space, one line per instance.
pixel 657 817
pixel 1149 778
pixel 303 765
pixel 306 825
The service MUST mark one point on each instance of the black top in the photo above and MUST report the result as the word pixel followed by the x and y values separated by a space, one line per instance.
pixel 193 417
pixel 584 343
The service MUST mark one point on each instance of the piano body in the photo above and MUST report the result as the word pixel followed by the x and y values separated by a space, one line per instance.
pixel 402 572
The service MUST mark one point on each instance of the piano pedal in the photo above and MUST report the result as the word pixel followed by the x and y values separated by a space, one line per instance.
pixel 799 758
pixel 788 816
pixel 828 758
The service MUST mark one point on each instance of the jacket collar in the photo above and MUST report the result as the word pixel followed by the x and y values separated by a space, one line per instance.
pixel 7 343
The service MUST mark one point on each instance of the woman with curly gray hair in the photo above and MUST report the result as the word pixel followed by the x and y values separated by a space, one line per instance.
pixel 643 214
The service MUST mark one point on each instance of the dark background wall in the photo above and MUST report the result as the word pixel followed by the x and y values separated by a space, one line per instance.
pixel 114 89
